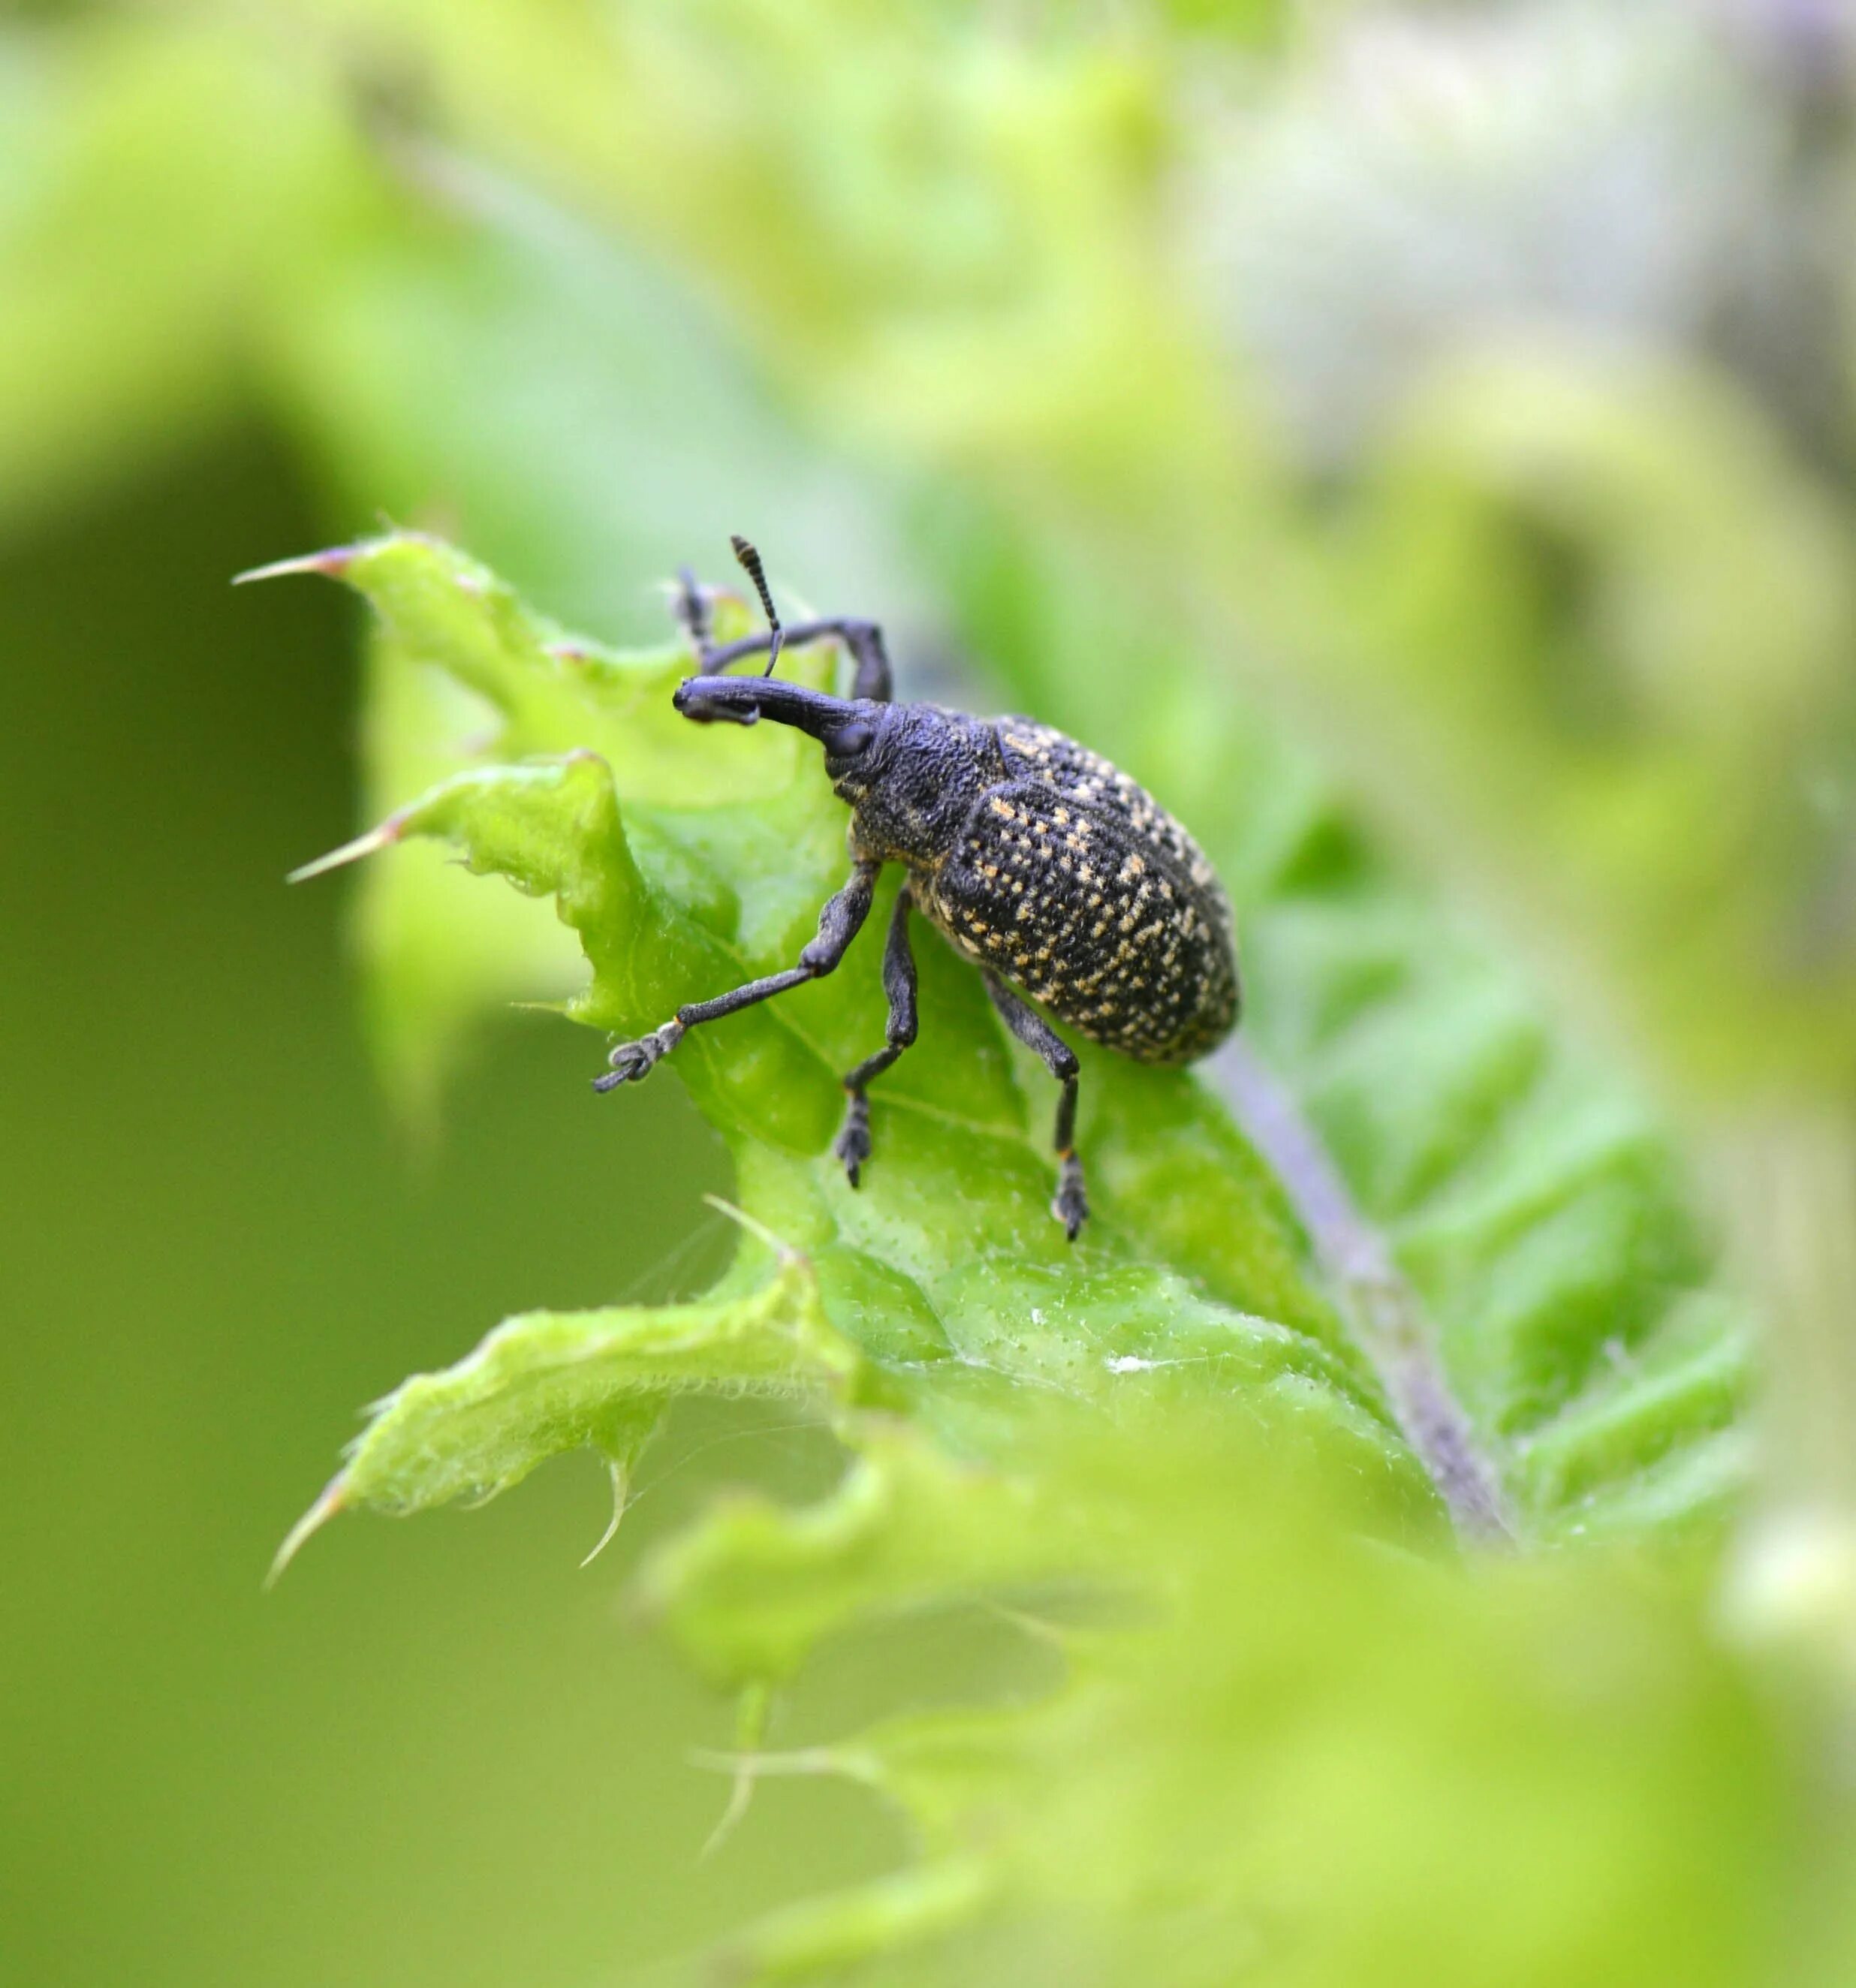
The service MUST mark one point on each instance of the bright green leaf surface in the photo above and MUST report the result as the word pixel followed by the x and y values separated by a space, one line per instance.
pixel 1531 1198
pixel 1311 1760
pixel 1536 1209
pixel 1579 611
pixel 551 1382
pixel 684 861
pixel 1535 1203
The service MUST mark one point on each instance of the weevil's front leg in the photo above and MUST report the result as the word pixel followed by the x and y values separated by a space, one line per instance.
pixel 1071 1204
pixel 871 676
pixel 839 924
pixel 853 1144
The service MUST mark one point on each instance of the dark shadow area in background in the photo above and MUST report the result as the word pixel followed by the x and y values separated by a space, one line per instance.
pixel 439 1752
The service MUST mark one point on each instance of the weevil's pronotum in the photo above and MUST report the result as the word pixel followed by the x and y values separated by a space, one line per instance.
pixel 1047 868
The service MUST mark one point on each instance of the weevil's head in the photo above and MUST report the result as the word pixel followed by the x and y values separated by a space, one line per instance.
pixel 850 729
pixel 906 769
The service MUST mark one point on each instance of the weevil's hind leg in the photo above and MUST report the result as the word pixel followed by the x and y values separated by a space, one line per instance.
pixel 839 923
pixel 1071 1204
pixel 852 1145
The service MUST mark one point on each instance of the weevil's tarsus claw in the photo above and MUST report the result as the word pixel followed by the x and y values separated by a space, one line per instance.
pixel 633 1062
pixel 1071 1204
pixel 852 1145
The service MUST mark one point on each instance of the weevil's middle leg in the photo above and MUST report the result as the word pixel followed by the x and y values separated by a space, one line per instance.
pixel 852 1145
pixel 839 923
pixel 1070 1205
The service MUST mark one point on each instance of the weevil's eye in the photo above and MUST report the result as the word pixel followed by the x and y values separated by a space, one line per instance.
pixel 848 741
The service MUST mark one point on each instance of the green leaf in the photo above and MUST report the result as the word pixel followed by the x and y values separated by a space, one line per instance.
pixel 1533 1200
pixel 1270 1745
pixel 1275 1748
pixel 1527 1191
pixel 548 1383
pixel 685 860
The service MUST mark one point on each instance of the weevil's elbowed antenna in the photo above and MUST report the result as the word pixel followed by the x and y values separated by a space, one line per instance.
pixel 751 566
pixel 690 604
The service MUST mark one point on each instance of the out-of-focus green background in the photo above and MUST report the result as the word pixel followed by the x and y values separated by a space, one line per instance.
pixel 219 1244
pixel 218 1248
pixel 1527 498
pixel 448 1755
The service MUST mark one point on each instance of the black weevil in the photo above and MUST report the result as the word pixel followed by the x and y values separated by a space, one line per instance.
pixel 1037 860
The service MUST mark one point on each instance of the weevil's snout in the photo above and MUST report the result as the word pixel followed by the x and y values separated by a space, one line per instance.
pixel 694 700
pixel 743 700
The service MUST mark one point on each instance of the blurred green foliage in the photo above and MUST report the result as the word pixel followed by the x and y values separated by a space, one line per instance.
pixel 1539 1215
pixel 1461 395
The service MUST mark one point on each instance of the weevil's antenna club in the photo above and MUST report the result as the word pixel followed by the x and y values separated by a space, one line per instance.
pixel 751 566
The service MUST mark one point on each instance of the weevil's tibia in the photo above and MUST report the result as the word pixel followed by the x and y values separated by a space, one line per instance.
pixel 852 1145
pixel 1070 1205
pixel 839 924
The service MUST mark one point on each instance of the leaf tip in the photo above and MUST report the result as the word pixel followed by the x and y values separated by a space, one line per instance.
pixel 311 1521
pixel 387 833
pixel 751 1714
pixel 621 1485
pixel 332 563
